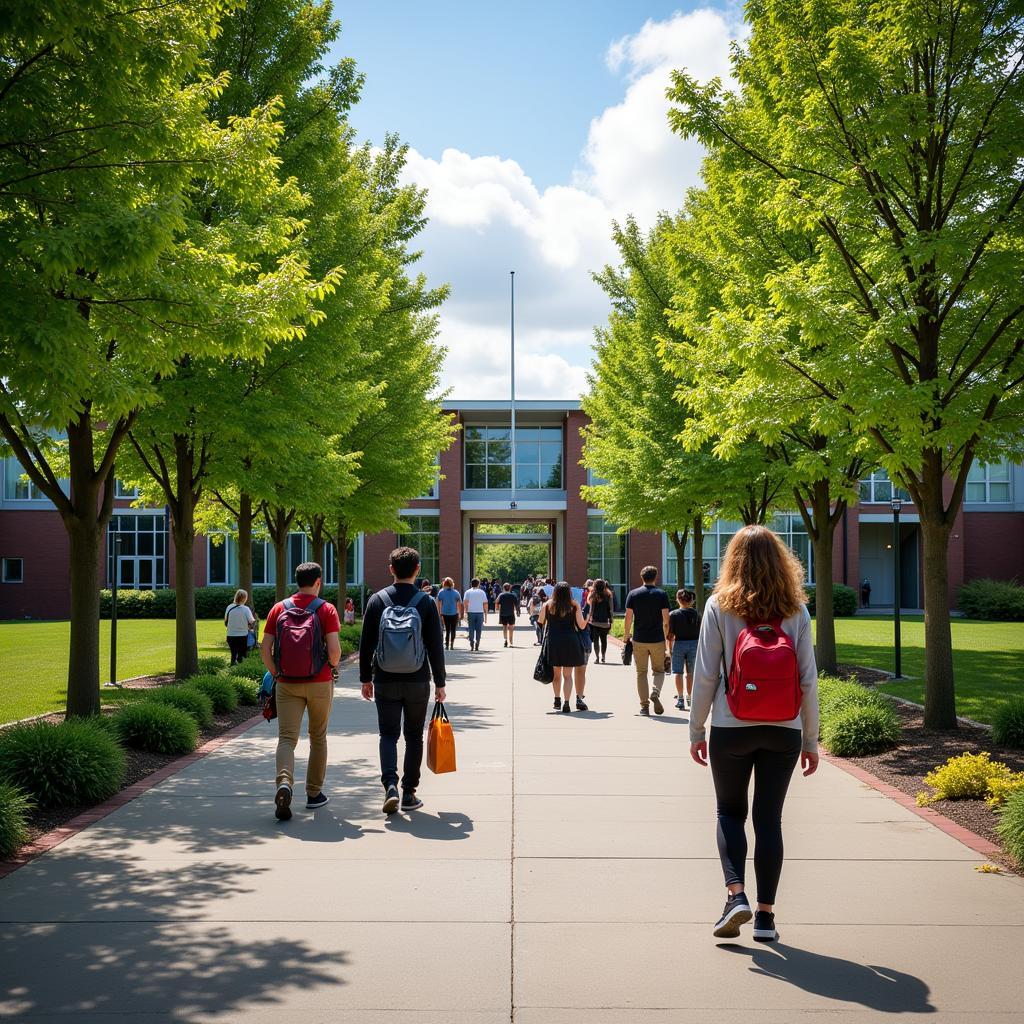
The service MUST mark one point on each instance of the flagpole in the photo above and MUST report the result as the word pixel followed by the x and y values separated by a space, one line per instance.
pixel 512 278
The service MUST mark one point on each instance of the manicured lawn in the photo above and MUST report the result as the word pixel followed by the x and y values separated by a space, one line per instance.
pixel 34 656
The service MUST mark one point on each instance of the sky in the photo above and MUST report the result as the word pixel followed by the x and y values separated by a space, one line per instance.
pixel 532 127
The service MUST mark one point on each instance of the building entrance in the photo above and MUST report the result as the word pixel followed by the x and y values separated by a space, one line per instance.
pixel 511 551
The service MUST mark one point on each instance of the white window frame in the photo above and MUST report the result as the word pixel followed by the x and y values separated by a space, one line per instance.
pixel 984 469
pixel 120 491
pixel 880 476
pixel 11 485
pixel 4 578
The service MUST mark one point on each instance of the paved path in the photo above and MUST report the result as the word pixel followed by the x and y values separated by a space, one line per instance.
pixel 566 874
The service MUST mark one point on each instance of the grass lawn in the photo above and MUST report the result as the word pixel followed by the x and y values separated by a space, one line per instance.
pixel 988 658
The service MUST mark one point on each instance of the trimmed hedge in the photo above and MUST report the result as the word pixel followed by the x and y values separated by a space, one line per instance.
pixel 211 665
pixel 158 728
pixel 210 601
pixel 1008 724
pixel 1011 826
pixel 220 690
pixel 251 668
pixel 246 690
pixel 139 604
pixel 77 762
pixel 855 721
pixel 14 808
pixel 193 702
pixel 998 600
pixel 844 600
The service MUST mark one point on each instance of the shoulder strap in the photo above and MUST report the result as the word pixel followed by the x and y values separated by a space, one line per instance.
pixel 415 599
pixel 315 605
pixel 288 604
pixel 386 598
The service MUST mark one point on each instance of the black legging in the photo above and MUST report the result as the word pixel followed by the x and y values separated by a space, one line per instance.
pixel 771 753
pixel 600 638
pixel 239 646
pixel 451 625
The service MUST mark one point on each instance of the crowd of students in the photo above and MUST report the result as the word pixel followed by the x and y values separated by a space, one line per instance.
pixel 763 706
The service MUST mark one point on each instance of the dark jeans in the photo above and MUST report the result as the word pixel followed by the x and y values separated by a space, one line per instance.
pixel 451 624
pixel 401 709
pixel 239 648
pixel 600 639
pixel 771 753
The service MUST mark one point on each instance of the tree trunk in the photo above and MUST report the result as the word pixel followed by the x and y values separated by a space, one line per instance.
pixel 822 541
pixel 183 529
pixel 279 536
pixel 84 536
pixel 340 542
pixel 698 562
pixel 245 544
pixel 679 543
pixel 316 538
pixel 939 690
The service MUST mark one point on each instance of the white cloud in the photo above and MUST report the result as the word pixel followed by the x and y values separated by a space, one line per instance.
pixel 487 217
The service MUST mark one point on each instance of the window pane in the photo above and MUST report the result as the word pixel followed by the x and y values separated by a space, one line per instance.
pixel 551 434
pixel 259 561
pixel 499 476
pixel 499 433
pixel 476 452
pixel 527 451
pixel 145 523
pixel 976 472
pixel 474 433
pixel 865 490
pixel 551 475
pixel 975 492
pixel 476 476
pixel 146 544
pixel 527 475
pixel 14 569
pixel 499 453
pixel 527 434
pixel 998 492
pixel 218 561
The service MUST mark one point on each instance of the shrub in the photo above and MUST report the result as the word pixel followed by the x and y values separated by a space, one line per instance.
pixel 1002 600
pixel 193 702
pixel 965 777
pixel 158 728
pixel 859 730
pixel 211 665
pixel 837 695
pixel 1008 723
pixel 1011 826
pixel 68 765
pixel 220 690
pixel 246 690
pixel 844 600
pixel 140 604
pixel 1000 789
pixel 14 806
pixel 250 668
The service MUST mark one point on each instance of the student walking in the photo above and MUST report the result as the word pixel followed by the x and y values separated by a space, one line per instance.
pixel 449 605
pixel 302 652
pixel 508 611
pixel 758 606
pixel 564 621
pixel 474 602
pixel 602 613
pixel 399 650
pixel 683 633
pixel 533 609
pixel 240 622
pixel 646 624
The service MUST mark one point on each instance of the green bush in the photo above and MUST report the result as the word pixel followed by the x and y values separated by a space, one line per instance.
pixel 1008 723
pixel 211 665
pixel 1000 600
pixel 68 765
pixel 14 807
pixel 156 727
pixel 247 690
pixel 140 604
pixel 210 601
pixel 193 702
pixel 844 600
pixel 1011 826
pixel 837 695
pixel 220 690
pixel 858 731
pixel 250 668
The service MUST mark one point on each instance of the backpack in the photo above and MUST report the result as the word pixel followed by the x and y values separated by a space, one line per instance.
pixel 300 651
pixel 400 641
pixel 764 679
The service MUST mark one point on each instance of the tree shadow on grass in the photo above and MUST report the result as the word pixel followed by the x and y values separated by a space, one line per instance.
pixel 96 935
pixel 878 988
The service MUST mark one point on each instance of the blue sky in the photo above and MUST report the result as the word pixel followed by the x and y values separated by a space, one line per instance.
pixel 532 127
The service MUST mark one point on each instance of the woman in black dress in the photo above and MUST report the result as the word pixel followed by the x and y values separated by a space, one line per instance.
pixel 564 621
pixel 602 611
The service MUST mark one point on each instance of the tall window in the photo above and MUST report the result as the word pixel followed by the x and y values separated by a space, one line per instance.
pixel 262 562
pixel 217 559
pixel 989 481
pixel 488 455
pixel 488 458
pixel 539 458
pixel 142 551
pixel 422 533
pixel 435 487
pixel 878 488
pixel 17 487
pixel 606 555
pixel 331 568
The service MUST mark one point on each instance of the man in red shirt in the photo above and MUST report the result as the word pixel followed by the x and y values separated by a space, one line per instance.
pixel 295 694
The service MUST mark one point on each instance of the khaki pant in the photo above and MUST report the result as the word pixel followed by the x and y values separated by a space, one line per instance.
pixel 654 656
pixel 292 700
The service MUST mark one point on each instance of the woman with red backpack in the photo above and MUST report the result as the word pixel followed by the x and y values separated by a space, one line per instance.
pixel 764 712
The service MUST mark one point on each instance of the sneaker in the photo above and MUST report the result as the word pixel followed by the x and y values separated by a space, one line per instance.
pixel 645 710
pixel 410 801
pixel 506 643
pixel 314 803
pixel 659 708
pixel 736 912
pixel 680 704
pixel 391 800
pixel 566 709
pixel 283 802
pixel 581 704
pixel 558 703
pixel 764 926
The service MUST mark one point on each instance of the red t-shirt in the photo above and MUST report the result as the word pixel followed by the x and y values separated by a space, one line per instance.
pixel 329 623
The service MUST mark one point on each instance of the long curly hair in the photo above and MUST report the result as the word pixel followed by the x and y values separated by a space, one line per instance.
pixel 761 579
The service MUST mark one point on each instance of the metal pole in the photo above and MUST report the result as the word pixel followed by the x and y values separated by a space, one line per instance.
pixel 896 505
pixel 113 609
pixel 512 334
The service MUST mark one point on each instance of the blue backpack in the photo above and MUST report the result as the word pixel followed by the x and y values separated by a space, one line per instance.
pixel 400 641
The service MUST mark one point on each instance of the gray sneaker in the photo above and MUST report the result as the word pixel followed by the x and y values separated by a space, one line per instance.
pixel 659 708
pixel 391 800
pixel 645 710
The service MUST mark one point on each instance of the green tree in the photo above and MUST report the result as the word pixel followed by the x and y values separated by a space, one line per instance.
pixel 106 283
pixel 893 130
pixel 511 563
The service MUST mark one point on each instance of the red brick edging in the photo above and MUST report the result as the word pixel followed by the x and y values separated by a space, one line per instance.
pixel 64 832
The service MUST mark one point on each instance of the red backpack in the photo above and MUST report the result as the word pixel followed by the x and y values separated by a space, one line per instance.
pixel 300 651
pixel 764 678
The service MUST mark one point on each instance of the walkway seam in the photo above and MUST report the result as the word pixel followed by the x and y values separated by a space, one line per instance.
pixel 512 864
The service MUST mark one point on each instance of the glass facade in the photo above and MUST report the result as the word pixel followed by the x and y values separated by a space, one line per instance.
pixel 142 551
pixel 422 533
pixel 878 488
pixel 606 556
pixel 989 482
pixel 488 458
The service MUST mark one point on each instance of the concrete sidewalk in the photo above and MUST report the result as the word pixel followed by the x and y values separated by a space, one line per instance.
pixel 567 873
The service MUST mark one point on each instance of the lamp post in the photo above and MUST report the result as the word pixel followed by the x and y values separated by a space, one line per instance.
pixel 896 504
pixel 113 608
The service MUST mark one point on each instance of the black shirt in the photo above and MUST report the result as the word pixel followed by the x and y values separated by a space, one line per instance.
pixel 508 604
pixel 647 604
pixel 402 593
pixel 684 624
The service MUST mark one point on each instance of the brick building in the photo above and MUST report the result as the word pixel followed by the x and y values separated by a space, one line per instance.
pixel 475 491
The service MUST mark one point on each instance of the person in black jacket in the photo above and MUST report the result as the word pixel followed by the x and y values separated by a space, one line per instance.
pixel 404 695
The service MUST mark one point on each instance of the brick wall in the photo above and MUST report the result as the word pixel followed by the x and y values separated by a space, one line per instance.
pixel 376 549
pixel 993 544
pixel 644 549
pixel 450 526
pixel 38 537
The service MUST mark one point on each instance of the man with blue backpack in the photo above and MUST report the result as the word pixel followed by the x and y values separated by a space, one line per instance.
pixel 400 649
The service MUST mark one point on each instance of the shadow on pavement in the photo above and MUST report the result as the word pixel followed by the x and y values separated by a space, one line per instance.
pixel 446 825
pixel 878 988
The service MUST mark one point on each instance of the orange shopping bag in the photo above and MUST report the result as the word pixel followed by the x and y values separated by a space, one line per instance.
pixel 440 741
